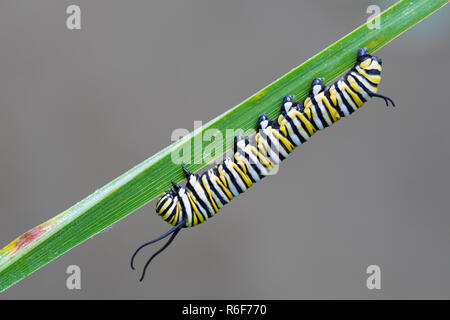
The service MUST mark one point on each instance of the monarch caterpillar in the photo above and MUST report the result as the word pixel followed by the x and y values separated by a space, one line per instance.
pixel 205 194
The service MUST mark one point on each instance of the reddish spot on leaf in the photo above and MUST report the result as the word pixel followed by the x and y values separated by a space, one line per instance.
pixel 28 237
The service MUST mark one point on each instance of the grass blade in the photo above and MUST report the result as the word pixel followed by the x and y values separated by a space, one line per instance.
pixel 150 178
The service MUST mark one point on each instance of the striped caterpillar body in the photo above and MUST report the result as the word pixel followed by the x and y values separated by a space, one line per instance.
pixel 205 194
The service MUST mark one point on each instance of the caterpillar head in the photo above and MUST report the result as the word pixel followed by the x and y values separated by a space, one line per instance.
pixel 368 62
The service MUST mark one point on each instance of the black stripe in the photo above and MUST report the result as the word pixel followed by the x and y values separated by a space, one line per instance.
pixel 303 124
pixel 370 82
pixel 295 130
pixel 183 210
pixel 249 165
pixel 258 172
pixel 283 145
pixel 349 95
pixel 260 163
pixel 167 209
pixel 253 164
pixel 319 113
pixel 214 190
pixel 310 120
pixel 344 101
pixel 174 210
pixel 334 106
pixel 269 143
pixel 198 199
pixel 247 175
pixel 363 87
pixel 233 179
pixel 280 145
pixel 246 164
pixel 217 174
pixel 357 92
pixel 287 136
pixel 372 72
pixel 326 109
pixel 161 203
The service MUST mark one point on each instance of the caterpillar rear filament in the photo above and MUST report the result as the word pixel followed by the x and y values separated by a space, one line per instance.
pixel 205 194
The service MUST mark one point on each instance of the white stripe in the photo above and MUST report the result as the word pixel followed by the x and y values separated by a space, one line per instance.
pixel 250 169
pixel 299 127
pixel 254 159
pixel 187 206
pixel 218 188
pixel 292 135
pixel 341 104
pixel 365 83
pixel 346 96
pixel 324 111
pixel 236 176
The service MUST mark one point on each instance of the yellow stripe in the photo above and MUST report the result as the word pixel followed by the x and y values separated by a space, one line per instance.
pixel 222 175
pixel 327 117
pixel 240 163
pixel 283 127
pixel 194 220
pixel 332 110
pixel 223 187
pixel 267 163
pixel 366 84
pixel 371 78
pixel 306 122
pixel 365 64
pixel 166 215
pixel 333 95
pixel 280 119
pixel 354 85
pixel 197 213
pixel 258 141
pixel 358 101
pixel 307 100
pixel 283 130
pixel 300 129
pixel 283 140
pixel 174 219
pixel 166 205
pixel 244 177
pixel 375 65
pixel 307 111
pixel 208 191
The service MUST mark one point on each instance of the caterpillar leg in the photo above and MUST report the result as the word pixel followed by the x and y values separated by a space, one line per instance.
pixel 186 172
pixel 317 86
pixel 239 142
pixel 263 122
pixel 362 54
pixel 287 103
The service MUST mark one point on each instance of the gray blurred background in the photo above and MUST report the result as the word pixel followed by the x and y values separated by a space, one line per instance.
pixel 78 108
